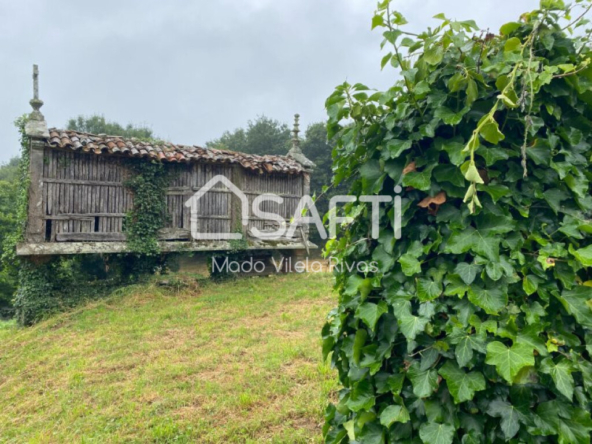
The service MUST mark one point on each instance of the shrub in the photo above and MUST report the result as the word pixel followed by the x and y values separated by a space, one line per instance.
pixel 477 327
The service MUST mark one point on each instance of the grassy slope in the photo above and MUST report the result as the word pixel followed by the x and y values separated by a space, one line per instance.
pixel 234 362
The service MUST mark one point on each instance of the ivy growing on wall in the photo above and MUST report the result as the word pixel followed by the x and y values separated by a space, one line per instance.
pixel 149 184
pixel 478 326
pixel 22 203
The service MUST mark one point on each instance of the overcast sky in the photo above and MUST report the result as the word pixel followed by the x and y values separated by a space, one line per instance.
pixel 192 69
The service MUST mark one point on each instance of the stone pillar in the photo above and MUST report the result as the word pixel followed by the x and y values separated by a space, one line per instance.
pixel 37 135
pixel 307 165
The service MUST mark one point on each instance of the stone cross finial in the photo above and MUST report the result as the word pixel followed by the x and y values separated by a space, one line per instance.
pixel 295 131
pixel 35 82
pixel 296 153
pixel 36 126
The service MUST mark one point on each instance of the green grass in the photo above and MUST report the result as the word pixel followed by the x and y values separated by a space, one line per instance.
pixel 230 362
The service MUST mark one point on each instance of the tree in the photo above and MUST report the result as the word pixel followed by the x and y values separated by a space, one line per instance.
pixel 262 136
pixel 9 173
pixel 475 326
pixel 97 124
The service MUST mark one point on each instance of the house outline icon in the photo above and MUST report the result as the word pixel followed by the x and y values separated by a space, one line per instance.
pixel 193 203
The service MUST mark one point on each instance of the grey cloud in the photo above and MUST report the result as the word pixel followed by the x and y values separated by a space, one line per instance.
pixel 192 70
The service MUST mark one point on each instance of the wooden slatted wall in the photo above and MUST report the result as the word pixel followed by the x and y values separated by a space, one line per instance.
pixel 85 198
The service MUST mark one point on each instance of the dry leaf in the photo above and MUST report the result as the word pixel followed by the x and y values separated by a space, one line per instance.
pixel 438 200
pixel 433 203
pixel 410 168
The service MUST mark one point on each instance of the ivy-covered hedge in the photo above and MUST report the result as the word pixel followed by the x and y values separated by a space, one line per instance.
pixel 478 326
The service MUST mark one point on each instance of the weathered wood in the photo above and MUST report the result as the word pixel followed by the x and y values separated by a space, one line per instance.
pixel 174 234
pixel 91 237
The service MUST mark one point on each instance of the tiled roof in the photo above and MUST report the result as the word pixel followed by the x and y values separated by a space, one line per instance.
pixel 132 147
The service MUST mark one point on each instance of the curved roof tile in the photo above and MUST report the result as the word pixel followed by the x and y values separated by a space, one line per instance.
pixel 132 147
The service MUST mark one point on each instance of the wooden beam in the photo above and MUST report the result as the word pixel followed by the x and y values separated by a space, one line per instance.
pixel 90 237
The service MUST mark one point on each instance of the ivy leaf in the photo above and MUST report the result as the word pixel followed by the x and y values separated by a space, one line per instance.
pixel 530 284
pixel 394 413
pixel 428 290
pixel 454 148
pixel 396 147
pixel 584 255
pixel 509 361
pixel 419 180
pixel 411 325
pixel 450 117
pixel 472 92
pixel 572 424
pixel 424 382
pixel 385 260
pixel 492 155
pixel 471 239
pixel 492 300
pixel 361 397
pixel 436 433
pixel 462 386
pixel 465 345
pixel 577 303
pixel 467 272
pixel 561 374
pixel 369 313
pixel 510 417
pixel 410 264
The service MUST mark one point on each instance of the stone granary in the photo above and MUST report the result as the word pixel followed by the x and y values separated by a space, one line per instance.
pixel 78 200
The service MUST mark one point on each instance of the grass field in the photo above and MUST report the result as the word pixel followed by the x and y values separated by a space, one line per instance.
pixel 230 362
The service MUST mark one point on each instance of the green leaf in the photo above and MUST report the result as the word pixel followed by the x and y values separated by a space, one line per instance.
pixel 377 20
pixel 394 413
pixel 492 300
pixel 584 255
pixel 491 132
pixel 419 180
pixel 361 397
pixel 436 433
pixel 561 374
pixel 428 290
pixel 513 45
pixel 509 361
pixel 510 417
pixel 434 54
pixel 465 346
pixel 371 170
pixel 411 325
pixel 530 284
pixel 369 313
pixel 472 92
pixel 572 424
pixel 492 154
pixel 396 147
pixel 472 174
pixel 450 117
pixel 467 272
pixel 462 386
pixel 577 303
pixel 474 240
pixel 424 382
pixel 359 342
pixel 509 28
pixel 410 264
